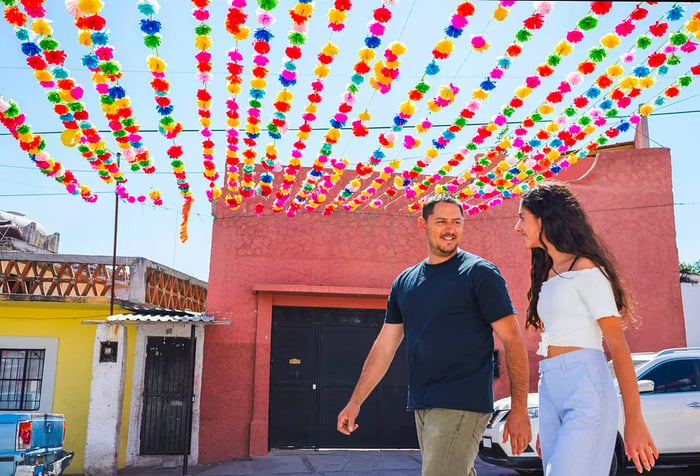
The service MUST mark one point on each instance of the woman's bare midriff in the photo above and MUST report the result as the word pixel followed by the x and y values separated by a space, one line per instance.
pixel 554 350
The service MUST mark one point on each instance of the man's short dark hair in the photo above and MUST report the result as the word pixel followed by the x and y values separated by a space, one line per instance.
pixel 431 201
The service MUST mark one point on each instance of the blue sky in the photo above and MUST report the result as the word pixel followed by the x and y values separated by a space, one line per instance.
pixel 152 232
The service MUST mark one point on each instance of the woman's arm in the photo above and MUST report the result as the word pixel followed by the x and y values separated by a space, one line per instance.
pixel 639 445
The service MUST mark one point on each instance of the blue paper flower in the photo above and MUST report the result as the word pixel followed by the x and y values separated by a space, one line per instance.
pixel 116 92
pixel 432 69
pixel 30 49
pixel 99 38
pixel 487 85
pixel 90 61
pixel 261 34
pixel 150 27
pixel 675 13
pixel 372 41
pixel 453 32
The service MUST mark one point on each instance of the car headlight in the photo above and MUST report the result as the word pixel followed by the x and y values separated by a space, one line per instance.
pixel 533 412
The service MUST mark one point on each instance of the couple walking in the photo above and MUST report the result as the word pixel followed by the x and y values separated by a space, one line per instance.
pixel 448 307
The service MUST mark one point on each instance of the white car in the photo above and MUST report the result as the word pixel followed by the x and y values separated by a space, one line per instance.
pixel 669 386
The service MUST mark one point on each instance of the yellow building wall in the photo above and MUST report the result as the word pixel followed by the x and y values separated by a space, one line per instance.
pixel 74 361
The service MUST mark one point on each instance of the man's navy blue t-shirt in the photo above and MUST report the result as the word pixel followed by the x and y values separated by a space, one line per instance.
pixel 447 310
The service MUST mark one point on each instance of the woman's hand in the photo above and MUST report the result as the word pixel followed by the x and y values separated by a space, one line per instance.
pixel 639 446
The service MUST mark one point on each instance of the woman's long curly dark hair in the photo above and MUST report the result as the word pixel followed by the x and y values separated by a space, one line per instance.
pixel 566 227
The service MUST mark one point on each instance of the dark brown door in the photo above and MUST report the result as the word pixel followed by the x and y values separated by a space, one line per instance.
pixel 316 358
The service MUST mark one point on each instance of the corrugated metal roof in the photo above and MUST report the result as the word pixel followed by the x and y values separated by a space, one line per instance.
pixel 162 317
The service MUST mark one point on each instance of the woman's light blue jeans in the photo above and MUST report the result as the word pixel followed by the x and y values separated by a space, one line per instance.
pixel 578 414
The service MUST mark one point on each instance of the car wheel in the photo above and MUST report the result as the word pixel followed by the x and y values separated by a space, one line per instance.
pixel 617 465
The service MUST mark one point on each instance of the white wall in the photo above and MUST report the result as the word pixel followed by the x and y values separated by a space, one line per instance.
pixel 690 294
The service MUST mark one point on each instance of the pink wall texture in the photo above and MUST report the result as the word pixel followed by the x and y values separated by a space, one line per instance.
pixel 351 259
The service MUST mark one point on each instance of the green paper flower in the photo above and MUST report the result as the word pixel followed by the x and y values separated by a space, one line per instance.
pixel 553 60
pixel 685 81
pixel 423 87
pixel 48 44
pixel 202 29
pixel 570 112
pixel 597 54
pixel 152 41
pixel 296 38
pixel 678 39
pixel 588 23
pixel 644 42
pixel 523 35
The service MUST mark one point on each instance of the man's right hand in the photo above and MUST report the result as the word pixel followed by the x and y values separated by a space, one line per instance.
pixel 346 418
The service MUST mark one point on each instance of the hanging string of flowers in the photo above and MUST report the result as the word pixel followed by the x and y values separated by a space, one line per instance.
pixel 300 16
pixel 203 63
pixel 563 48
pixel 376 28
pixel 572 158
pixel 235 25
pixel 35 146
pixel 64 93
pixel 441 51
pixel 546 162
pixel 167 125
pixel 554 97
pixel 447 94
pixel 322 70
pixel 115 103
pixel 258 88
pixel 386 73
pixel 512 169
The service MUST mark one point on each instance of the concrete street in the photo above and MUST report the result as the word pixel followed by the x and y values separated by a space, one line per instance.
pixel 342 463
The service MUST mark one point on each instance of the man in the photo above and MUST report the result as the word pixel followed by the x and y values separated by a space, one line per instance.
pixel 448 306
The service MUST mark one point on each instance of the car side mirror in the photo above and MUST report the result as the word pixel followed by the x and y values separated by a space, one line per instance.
pixel 645 386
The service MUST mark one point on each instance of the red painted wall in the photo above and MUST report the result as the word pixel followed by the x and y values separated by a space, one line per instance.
pixel 351 260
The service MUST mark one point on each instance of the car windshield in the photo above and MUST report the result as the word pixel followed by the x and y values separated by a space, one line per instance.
pixel 637 360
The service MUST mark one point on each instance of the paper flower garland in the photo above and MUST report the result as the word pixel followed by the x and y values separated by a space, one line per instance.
pixel 376 28
pixel 115 103
pixel 203 43
pixel 34 145
pixel 167 126
pixel 258 89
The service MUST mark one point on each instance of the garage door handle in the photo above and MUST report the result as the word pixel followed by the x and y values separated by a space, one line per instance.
pixel 694 404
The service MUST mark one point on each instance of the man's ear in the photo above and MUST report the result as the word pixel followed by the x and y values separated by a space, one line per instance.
pixel 421 223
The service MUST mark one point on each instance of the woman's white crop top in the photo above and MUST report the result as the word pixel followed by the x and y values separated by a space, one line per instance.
pixel 570 305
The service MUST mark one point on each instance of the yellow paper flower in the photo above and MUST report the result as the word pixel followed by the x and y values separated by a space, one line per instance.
pixel 41 27
pixel 329 49
pixel 407 108
pixel 156 65
pixel 444 46
pixel 285 96
pixel 364 116
pixel 523 92
pixel 242 34
pixel 589 129
pixel 500 13
pixel 258 83
pixel 65 95
pixel 615 71
pixel 432 153
pixel 505 145
pixel 366 54
pixel 311 108
pixel 85 38
pixel 206 122
pixel 397 48
pixel 491 127
pixel 573 158
pixel 552 127
pixel 646 109
pixel 480 94
pixel 432 106
pixel 322 70
pixel 610 41
pixel 90 7
pixel 233 122
pixel 124 145
pixel 202 42
pixel 693 25
pixel 302 135
pixel 43 75
pixel 333 134
pixel 70 137
pixel 252 128
pixel 629 82
pixel 545 109
pixel 553 154
pixel 398 182
pixel 336 16
pixel 233 88
pixel 647 81
pixel 564 48
pixel 503 165
pixel 304 9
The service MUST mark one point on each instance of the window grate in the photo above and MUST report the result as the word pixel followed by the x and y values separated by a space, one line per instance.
pixel 21 374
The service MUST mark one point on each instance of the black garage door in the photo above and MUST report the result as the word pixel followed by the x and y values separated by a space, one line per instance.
pixel 316 358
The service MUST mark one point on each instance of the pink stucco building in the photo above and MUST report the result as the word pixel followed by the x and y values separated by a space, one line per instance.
pixel 267 271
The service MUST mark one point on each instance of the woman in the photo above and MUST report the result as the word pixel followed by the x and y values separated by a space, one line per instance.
pixel 577 298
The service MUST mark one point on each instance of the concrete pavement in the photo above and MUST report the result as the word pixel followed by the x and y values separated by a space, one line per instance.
pixel 321 462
